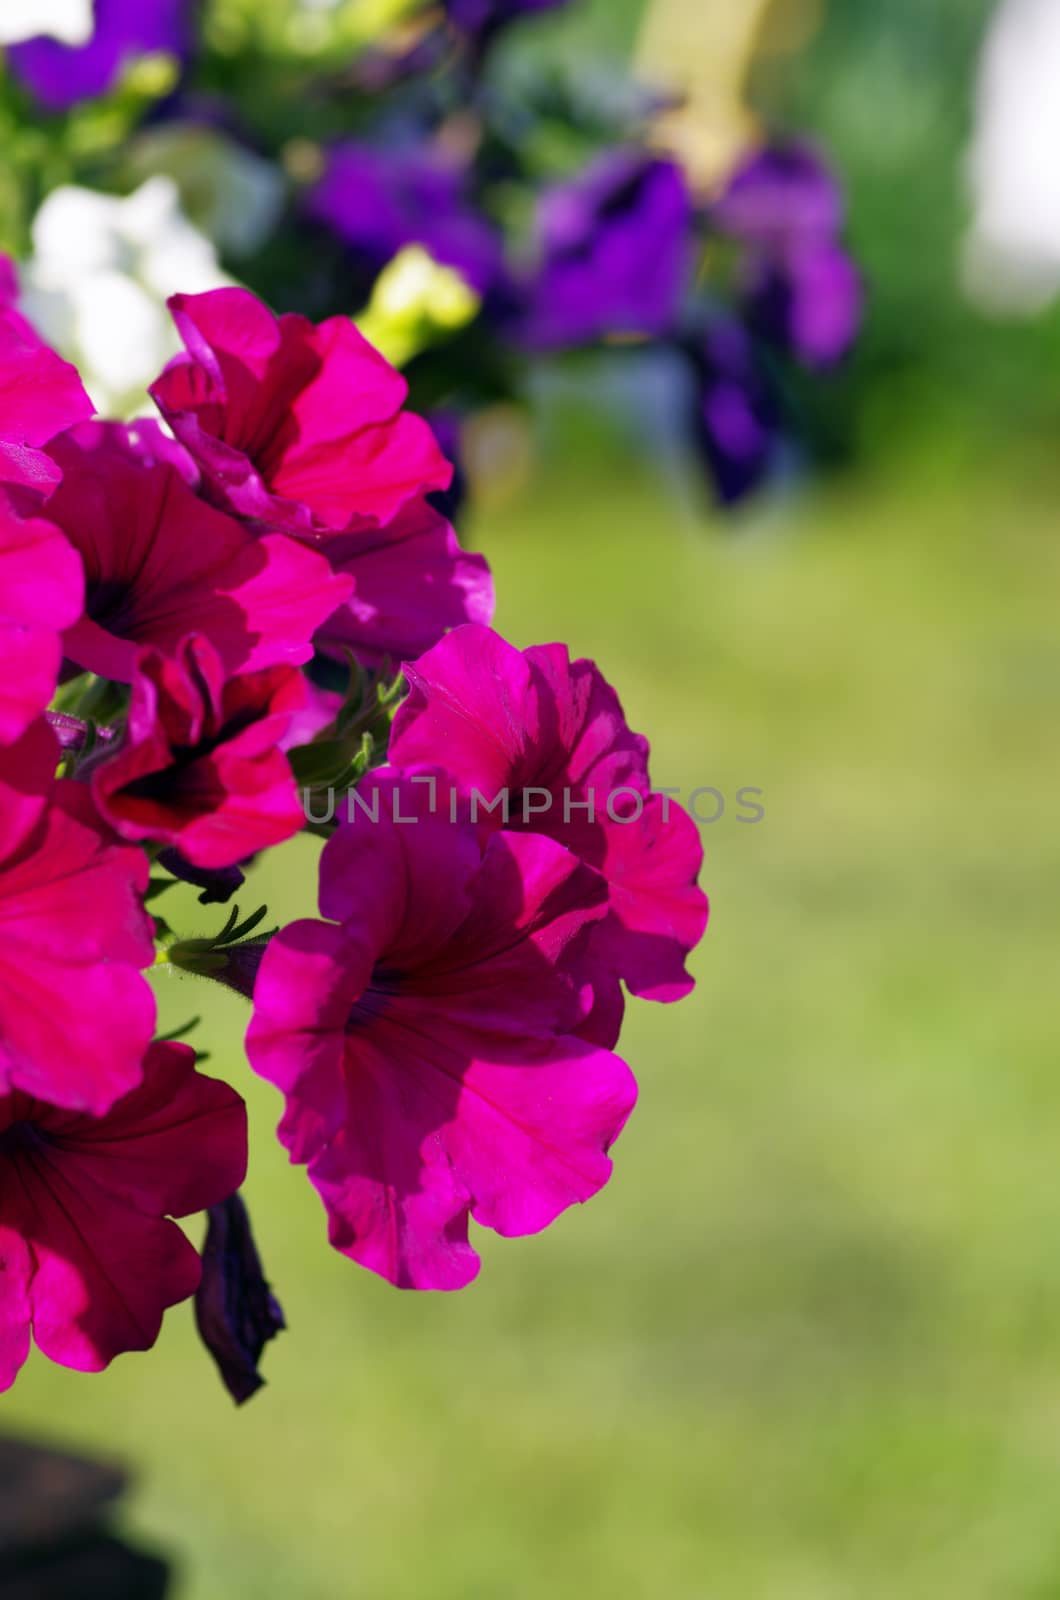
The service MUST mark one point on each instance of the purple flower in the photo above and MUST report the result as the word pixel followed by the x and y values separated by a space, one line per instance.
pixel 61 75
pixel 810 302
pixel 736 417
pixel 485 17
pixel 378 201
pixel 615 251
pixel 781 196
pixel 801 289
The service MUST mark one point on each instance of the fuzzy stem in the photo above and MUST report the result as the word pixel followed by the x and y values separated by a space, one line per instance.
pixel 235 966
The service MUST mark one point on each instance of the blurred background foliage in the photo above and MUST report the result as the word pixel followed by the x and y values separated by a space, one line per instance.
pixel 807 1345
pixel 892 95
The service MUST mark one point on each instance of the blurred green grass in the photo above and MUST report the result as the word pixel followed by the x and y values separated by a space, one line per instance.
pixel 807 1344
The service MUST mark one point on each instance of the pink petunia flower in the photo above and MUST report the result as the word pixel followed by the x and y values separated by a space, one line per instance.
pixel 296 427
pixel 423 1037
pixel 90 1261
pixel 75 1013
pixel 202 764
pixel 547 738
pixel 160 563
pixel 40 393
pixel 41 592
pixel 411 582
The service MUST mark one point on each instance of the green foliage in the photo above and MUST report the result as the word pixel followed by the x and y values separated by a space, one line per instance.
pixel 207 955
pixel 356 739
pixel 889 90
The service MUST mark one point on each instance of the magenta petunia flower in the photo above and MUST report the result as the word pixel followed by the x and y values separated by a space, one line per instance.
pixel 40 394
pixel 202 764
pixel 411 581
pixel 90 1261
pixel 75 1013
pixel 547 739
pixel 424 1038
pixel 159 564
pixel 297 427
pixel 41 592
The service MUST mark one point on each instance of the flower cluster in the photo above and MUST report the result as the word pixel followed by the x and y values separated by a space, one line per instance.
pixel 481 221
pixel 197 621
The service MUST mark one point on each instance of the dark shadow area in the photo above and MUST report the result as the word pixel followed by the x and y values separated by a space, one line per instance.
pixel 56 1539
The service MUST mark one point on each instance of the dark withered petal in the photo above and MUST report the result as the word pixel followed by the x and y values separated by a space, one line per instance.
pixel 218 884
pixel 236 1312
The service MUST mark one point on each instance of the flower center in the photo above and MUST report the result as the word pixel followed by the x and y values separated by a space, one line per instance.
pixel 20 1136
pixel 110 604
pixel 385 984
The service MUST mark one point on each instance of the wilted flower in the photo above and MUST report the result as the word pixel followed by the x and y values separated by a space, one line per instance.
pixel 235 1310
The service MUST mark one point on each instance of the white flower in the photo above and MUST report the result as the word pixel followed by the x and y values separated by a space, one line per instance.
pixel 97 283
pixel 1012 253
pixel 71 21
